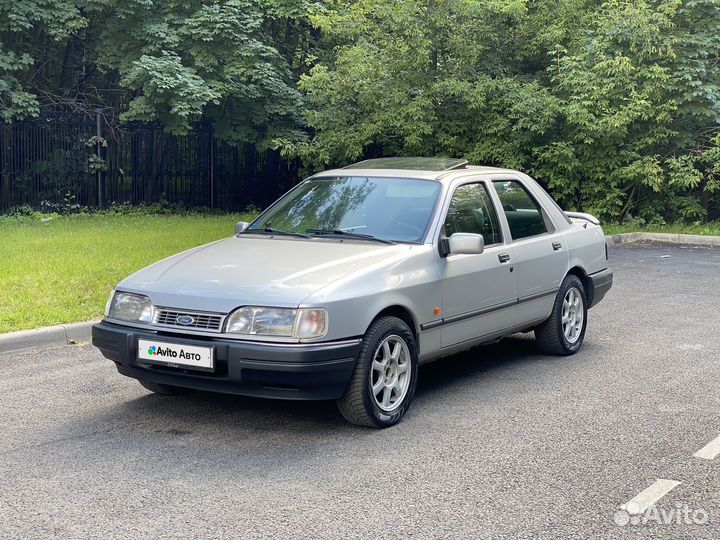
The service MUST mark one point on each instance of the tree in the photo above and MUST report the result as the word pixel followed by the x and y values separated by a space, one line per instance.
pixel 230 62
pixel 184 61
pixel 28 31
pixel 413 77
pixel 614 106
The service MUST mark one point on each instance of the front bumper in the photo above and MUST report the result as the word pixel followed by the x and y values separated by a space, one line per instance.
pixel 282 371
pixel 600 284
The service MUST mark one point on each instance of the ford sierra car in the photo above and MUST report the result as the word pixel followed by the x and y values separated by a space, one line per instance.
pixel 349 283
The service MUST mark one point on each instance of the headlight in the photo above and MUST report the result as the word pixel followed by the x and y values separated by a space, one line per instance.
pixel 297 323
pixel 130 307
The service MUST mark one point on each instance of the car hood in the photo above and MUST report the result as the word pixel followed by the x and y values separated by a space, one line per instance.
pixel 255 270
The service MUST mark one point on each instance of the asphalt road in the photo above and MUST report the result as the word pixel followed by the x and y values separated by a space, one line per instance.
pixel 501 442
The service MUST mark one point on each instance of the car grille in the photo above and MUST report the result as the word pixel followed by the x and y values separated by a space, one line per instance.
pixel 201 321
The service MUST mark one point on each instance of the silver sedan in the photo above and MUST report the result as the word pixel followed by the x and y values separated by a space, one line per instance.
pixel 356 277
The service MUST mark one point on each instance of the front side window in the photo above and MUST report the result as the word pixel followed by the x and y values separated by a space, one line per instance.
pixel 524 215
pixel 471 211
pixel 393 209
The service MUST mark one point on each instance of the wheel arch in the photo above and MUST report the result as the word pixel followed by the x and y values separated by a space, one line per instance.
pixel 402 313
pixel 582 275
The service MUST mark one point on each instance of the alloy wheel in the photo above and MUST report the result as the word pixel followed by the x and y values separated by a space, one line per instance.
pixel 390 373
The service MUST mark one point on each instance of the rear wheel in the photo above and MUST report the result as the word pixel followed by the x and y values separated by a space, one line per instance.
pixel 564 331
pixel 164 389
pixel 385 377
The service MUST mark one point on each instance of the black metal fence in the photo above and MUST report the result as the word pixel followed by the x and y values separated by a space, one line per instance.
pixel 51 159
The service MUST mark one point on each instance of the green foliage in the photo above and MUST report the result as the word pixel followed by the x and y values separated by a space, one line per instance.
pixel 415 78
pixel 168 91
pixel 614 108
pixel 22 23
pixel 614 105
pixel 231 62
pixel 193 60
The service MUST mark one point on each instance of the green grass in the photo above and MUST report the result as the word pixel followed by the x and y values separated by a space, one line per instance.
pixel 707 229
pixel 62 270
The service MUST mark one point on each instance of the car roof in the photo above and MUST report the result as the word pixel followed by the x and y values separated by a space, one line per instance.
pixel 438 164
pixel 439 169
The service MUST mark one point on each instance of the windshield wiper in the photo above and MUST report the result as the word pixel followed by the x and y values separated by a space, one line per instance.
pixel 338 232
pixel 276 232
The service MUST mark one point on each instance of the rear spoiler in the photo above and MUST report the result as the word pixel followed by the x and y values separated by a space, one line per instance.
pixel 586 217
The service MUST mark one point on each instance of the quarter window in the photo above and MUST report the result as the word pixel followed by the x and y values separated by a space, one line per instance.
pixel 471 211
pixel 524 215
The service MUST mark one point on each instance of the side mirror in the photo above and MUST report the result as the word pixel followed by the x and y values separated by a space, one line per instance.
pixel 241 226
pixel 463 244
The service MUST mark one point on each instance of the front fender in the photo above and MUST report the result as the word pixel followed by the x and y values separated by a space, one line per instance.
pixel 354 301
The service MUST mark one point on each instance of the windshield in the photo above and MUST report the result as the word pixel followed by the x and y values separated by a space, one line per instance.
pixel 393 209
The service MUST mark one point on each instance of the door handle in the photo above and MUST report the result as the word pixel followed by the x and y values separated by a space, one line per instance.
pixel 504 257
pixel 557 246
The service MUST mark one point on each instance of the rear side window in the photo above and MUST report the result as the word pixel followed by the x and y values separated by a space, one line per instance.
pixel 523 214
pixel 471 211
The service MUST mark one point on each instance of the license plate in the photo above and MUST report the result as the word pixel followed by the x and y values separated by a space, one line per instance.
pixel 175 355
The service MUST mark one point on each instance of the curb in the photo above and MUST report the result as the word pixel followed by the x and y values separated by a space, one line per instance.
pixel 665 238
pixel 50 336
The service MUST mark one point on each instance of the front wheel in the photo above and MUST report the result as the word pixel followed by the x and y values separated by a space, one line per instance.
pixel 385 376
pixel 564 331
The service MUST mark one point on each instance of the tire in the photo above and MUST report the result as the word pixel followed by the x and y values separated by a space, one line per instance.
pixel 394 376
pixel 164 389
pixel 553 336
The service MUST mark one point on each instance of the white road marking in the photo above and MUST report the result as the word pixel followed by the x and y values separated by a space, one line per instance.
pixel 709 451
pixel 643 500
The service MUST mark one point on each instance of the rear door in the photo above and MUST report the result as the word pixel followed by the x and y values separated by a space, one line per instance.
pixel 478 291
pixel 539 253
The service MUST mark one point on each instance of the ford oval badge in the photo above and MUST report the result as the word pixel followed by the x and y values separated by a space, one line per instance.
pixel 185 320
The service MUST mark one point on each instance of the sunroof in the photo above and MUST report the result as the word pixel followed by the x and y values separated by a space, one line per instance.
pixel 411 163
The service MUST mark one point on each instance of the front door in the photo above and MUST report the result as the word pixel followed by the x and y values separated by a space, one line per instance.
pixel 478 291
